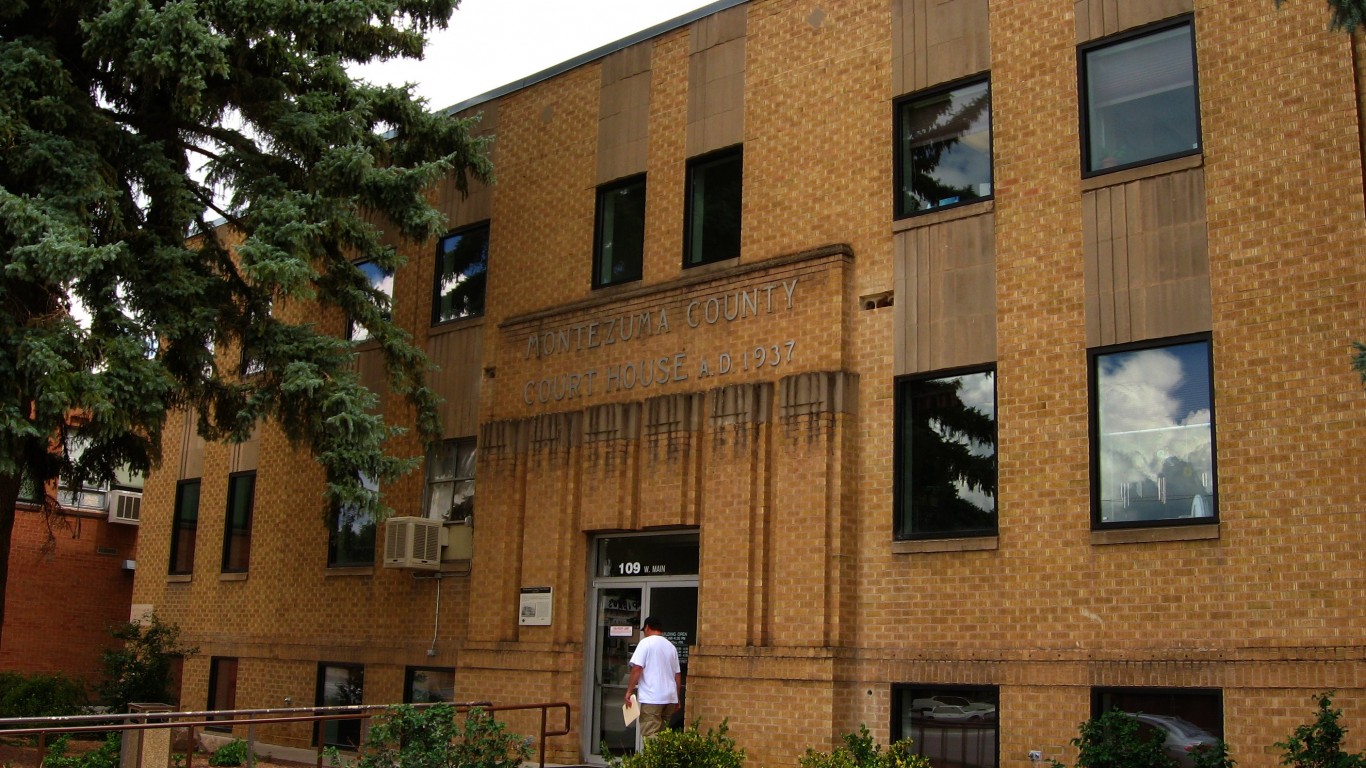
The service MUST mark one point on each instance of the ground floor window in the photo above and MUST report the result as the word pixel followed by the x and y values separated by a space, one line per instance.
pixel 1184 719
pixel 953 726
pixel 340 685
pixel 222 689
pixel 423 685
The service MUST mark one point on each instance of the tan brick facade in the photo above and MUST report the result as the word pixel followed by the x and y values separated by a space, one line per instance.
pixel 657 406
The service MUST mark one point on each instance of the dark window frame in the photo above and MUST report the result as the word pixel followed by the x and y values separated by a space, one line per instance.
pixel 900 458
pixel 228 538
pixel 600 230
pixel 334 559
pixel 438 272
pixel 1093 430
pixel 1185 20
pixel 320 727
pixel 178 527
pixel 409 673
pixel 695 165
pixel 1099 692
pixel 351 325
pixel 214 681
pixel 897 713
pixel 898 151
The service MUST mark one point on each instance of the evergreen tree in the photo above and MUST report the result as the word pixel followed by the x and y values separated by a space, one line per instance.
pixel 107 109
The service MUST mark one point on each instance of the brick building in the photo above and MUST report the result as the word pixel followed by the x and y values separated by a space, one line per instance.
pixel 953 367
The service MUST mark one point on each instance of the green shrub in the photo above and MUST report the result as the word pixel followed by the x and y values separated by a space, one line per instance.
pixel 860 751
pixel 141 670
pixel 1319 744
pixel 1113 741
pixel 106 756
pixel 233 753
pixel 429 737
pixel 687 748
pixel 39 695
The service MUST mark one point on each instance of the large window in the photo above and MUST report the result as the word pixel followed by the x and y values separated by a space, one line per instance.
pixel 184 526
pixel 422 685
pixel 351 536
pixel 953 726
pixel 946 455
pixel 1183 720
pixel 222 689
pixel 1152 430
pixel 237 526
pixel 340 685
pixel 619 239
pixel 462 263
pixel 943 148
pixel 380 280
pixel 1140 102
pixel 712 231
pixel 450 480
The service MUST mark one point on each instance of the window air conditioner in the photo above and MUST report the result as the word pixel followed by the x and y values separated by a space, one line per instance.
pixel 413 542
pixel 125 507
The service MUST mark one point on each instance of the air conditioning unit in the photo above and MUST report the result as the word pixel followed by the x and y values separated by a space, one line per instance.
pixel 125 507
pixel 413 542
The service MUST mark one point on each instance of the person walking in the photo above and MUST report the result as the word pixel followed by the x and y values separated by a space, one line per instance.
pixel 655 677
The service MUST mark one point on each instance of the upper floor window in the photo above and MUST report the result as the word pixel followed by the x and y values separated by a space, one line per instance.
pixel 462 263
pixel 237 526
pixel 450 480
pixel 1140 102
pixel 952 726
pixel 1152 426
pixel 619 239
pixel 943 148
pixel 946 455
pixel 381 280
pixel 351 538
pixel 184 526
pixel 712 218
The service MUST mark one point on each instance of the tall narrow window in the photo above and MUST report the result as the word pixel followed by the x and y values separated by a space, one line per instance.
pixel 340 685
pixel 1152 426
pixel 943 148
pixel 237 527
pixel 462 260
pixel 712 230
pixel 381 280
pixel 946 456
pixel 1140 102
pixel 184 526
pixel 450 480
pixel 351 539
pixel 619 249
pixel 222 689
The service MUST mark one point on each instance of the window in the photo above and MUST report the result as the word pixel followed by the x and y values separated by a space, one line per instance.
pixel 422 685
pixel 91 494
pixel 351 538
pixel 450 480
pixel 339 685
pixel 946 455
pixel 1184 719
pixel 462 262
pixel 1139 99
pixel 381 280
pixel 183 526
pixel 1153 435
pixel 712 232
pixel 222 689
pixel 619 240
pixel 952 726
pixel 943 148
pixel 237 526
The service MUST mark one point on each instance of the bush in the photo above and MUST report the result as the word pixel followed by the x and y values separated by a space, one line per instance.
pixel 39 695
pixel 1319 744
pixel 428 737
pixel 233 753
pixel 1113 741
pixel 860 751
pixel 687 748
pixel 140 671
pixel 106 756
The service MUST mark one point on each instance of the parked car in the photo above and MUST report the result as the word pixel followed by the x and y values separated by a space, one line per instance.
pixel 1180 737
pixel 973 712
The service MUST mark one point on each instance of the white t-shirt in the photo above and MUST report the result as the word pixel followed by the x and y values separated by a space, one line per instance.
pixel 659 659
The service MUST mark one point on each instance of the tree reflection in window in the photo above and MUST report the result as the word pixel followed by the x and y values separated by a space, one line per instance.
pixel 944 146
pixel 946 451
pixel 461 274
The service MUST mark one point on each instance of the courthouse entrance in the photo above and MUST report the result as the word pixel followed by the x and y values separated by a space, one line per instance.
pixel 634 576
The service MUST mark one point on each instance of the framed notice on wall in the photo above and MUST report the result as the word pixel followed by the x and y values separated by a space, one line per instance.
pixel 535 607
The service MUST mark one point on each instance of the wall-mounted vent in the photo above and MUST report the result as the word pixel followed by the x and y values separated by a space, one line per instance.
pixel 125 507
pixel 413 542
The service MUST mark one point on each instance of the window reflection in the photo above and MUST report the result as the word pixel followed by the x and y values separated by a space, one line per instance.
pixel 955 727
pixel 382 281
pixel 945 149
pixel 620 232
pixel 461 274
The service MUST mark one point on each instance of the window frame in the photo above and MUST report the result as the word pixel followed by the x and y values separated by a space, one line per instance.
pixel 352 326
pixel 1093 357
pixel 228 549
pixel 901 458
pixel 898 716
pixel 604 192
pixel 333 559
pixel 215 679
pixel 320 727
pixel 1099 692
pixel 178 527
pixel 428 481
pixel 696 165
pixel 899 105
pixel 409 673
pixel 1083 51
pixel 438 272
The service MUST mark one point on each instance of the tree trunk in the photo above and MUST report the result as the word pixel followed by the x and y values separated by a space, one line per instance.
pixel 9 496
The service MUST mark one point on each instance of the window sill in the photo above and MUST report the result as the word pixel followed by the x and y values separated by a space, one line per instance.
pixel 970 544
pixel 1162 168
pixel 447 326
pixel 711 266
pixel 179 578
pixel 939 217
pixel 350 570
pixel 234 576
pixel 1148 535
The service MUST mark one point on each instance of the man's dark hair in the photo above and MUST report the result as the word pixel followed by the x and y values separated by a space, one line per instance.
pixel 653 623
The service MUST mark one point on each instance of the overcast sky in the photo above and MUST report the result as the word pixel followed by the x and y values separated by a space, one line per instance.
pixel 491 43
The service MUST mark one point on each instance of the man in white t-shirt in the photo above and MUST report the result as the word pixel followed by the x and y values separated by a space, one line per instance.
pixel 655 678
